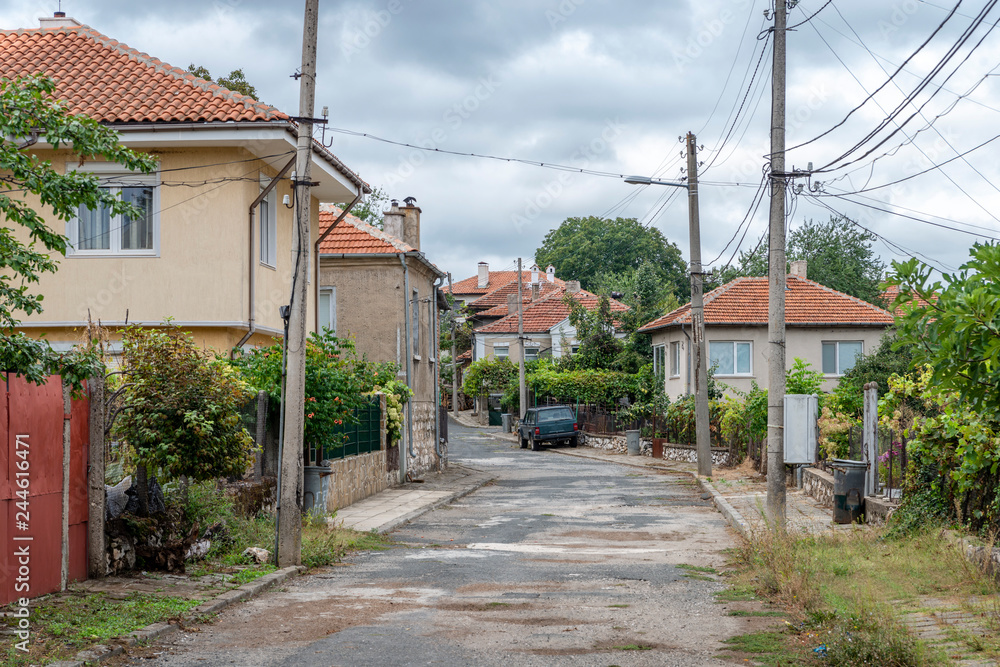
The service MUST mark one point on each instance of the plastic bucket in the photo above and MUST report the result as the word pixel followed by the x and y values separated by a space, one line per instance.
pixel 315 483
pixel 848 490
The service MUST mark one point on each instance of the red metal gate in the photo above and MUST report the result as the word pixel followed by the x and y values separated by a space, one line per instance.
pixel 31 487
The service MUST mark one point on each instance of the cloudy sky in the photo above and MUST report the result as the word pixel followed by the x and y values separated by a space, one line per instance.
pixel 609 86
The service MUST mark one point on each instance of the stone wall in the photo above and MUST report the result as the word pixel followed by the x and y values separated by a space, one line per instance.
pixel 819 485
pixel 426 458
pixel 671 452
pixel 356 478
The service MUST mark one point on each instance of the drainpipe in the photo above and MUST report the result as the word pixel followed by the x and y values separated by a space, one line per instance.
pixel 435 340
pixel 409 359
pixel 251 272
pixel 687 373
pixel 343 214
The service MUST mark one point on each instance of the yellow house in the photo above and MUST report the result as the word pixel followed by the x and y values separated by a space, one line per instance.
pixel 214 250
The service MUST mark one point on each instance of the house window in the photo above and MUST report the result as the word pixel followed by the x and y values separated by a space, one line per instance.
pixel 415 323
pixel 840 356
pixel 99 232
pixel 659 359
pixel 267 211
pixel 675 359
pixel 531 353
pixel 432 339
pixel 328 308
pixel 501 351
pixel 729 357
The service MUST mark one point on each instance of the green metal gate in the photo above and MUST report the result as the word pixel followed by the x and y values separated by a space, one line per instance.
pixel 360 438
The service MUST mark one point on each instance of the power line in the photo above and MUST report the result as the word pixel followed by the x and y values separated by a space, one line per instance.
pixel 810 17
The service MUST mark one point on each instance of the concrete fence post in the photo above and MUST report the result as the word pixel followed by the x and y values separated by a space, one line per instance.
pixel 96 558
pixel 869 437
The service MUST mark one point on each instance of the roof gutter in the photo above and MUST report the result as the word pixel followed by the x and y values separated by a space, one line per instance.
pixel 386 255
pixel 343 214
pixel 409 364
pixel 251 272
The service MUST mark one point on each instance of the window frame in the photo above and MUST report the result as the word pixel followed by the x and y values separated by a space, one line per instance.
pixel 415 322
pixel 659 362
pixel 675 359
pixel 432 338
pixel 836 356
pixel 330 290
pixel 734 343
pixel 113 176
pixel 269 204
pixel 501 346
pixel 536 349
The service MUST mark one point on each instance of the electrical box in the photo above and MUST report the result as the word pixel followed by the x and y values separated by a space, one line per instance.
pixel 801 413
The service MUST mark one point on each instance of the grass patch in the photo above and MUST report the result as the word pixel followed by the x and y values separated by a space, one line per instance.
pixel 738 593
pixel 697 568
pixel 62 626
pixel 617 606
pixel 753 614
pixel 323 544
pixel 633 647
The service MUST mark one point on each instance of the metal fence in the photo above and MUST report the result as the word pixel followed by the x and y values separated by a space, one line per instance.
pixel 359 438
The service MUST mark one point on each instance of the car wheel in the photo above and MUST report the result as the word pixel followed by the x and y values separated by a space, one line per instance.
pixel 535 447
pixel 524 441
pixel 574 441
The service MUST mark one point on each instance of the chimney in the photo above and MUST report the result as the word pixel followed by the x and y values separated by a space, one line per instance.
pixel 535 289
pixel 534 274
pixel 411 223
pixel 484 275
pixel 58 20
pixel 798 268
pixel 572 286
pixel 392 221
pixel 550 274
pixel 511 303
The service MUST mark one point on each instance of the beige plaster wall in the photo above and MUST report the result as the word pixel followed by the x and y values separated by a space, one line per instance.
pixel 803 342
pixel 200 275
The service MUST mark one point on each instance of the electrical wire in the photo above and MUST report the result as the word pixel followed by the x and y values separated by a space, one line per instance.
pixel 810 17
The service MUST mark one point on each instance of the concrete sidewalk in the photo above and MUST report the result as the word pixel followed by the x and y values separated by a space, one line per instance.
pixel 399 505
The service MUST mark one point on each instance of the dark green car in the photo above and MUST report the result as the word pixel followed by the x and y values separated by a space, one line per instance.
pixel 549 424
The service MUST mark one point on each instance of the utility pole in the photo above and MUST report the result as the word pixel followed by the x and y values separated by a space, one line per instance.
pixel 522 390
pixel 776 283
pixel 290 508
pixel 454 360
pixel 701 417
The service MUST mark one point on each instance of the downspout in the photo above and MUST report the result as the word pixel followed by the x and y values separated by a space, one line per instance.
pixel 436 341
pixel 409 358
pixel 687 373
pixel 251 273
pixel 343 214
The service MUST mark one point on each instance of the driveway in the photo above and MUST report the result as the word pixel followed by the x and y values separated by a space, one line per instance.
pixel 560 561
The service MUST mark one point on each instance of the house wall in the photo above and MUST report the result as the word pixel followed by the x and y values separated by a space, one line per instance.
pixel 802 342
pixel 199 278
pixel 371 309
pixel 486 344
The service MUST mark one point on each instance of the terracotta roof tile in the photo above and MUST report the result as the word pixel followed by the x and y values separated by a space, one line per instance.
pixel 542 315
pixel 745 301
pixel 496 279
pixel 106 80
pixel 890 294
pixel 354 236
pixel 498 297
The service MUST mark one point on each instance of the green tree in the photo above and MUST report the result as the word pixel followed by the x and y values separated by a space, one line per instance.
pixel 180 408
pixel 954 325
pixel 888 359
pixel 640 289
pixel 839 255
pixel 583 248
pixel 370 209
pixel 236 81
pixel 29 111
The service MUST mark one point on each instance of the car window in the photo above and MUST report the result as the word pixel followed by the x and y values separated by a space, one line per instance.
pixel 530 417
pixel 560 414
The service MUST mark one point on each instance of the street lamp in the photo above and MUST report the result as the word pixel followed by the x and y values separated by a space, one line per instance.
pixel 701 418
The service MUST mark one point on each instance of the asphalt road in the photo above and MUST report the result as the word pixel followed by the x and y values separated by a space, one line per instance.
pixel 560 561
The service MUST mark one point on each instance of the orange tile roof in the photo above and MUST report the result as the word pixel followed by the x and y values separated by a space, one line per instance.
pixel 353 235
pixel 496 279
pixel 542 315
pixel 498 297
pixel 106 80
pixel 744 301
pixel 890 294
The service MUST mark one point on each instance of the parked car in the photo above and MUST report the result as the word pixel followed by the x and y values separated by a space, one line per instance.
pixel 549 424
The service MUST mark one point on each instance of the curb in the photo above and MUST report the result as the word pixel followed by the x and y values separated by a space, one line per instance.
pixel 248 590
pixel 451 497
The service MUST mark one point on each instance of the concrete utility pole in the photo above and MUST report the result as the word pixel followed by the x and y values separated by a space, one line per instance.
pixel 522 390
pixel 454 360
pixel 776 283
pixel 290 508
pixel 701 416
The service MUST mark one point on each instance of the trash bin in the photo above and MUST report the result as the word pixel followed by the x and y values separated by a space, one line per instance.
pixel 506 420
pixel 848 490
pixel 632 440
pixel 316 480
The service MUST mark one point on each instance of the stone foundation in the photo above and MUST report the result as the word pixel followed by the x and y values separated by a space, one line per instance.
pixel 425 458
pixel 671 452
pixel 819 485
